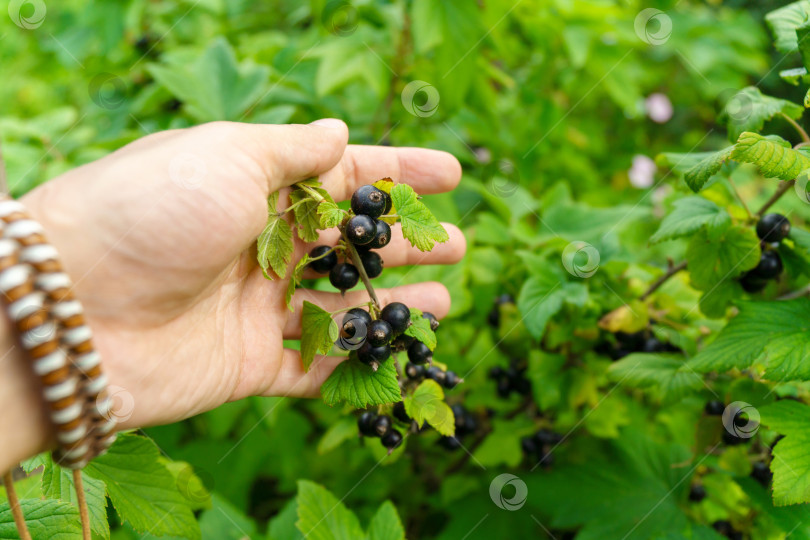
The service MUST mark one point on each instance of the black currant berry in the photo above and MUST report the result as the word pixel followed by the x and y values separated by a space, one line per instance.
pixel 496 372
pixel 382 237
pixel 435 373
pixel 355 320
pixel 504 388
pixel 327 260
pixel 379 333
pixel 372 263
pixel 392 439
pixel 715 408
pixel 434 322
pixel 752 284
pixel 762 473
pixel 399 412
pixel 451 380
pixel 371 355
pixel 413 371
pixel 769 267
pixel 697 493
pixel 360 230
pixel 397 315
pixel 733 440
pixel 402 342
pixel 773 227
pixel 344 276
pixel 381 425
pixel 419 353
pixel 546 437
pixel 529 446
pixel 368 200
pixel 450 443
pixel 365 424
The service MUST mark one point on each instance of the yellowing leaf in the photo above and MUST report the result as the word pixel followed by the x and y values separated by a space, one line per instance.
pixel 628 318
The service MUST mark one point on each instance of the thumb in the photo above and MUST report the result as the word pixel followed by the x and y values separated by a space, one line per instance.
pixel 294 152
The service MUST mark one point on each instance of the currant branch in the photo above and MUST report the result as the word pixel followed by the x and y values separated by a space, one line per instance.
pixel 362 271
pixel 784 187
pixel 671 271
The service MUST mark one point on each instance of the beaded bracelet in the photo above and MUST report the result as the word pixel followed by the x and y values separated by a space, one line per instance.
pixel 51 329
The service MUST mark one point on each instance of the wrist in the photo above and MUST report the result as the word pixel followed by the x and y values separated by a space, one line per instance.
pixel 24 424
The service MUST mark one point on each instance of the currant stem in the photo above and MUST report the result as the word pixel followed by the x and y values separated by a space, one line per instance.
pixel 797 127
pixel 366 281
pixel 663 279
pixel 16 510
pixel 311 192
pixel 784 187
pixel 84 515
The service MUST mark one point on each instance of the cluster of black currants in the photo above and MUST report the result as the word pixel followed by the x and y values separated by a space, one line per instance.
pixel 636 342
pixel 539 446
pixel 771 230
pixel 466 424
pixel 365 232
pixel 372 425
pixel 511 379
pixel 420 358
pixel 727 529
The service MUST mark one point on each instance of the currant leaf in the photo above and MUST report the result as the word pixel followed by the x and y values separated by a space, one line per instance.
pixel 330 215
pixel 427 404
pixel 318 333
pixel 658 371
pixel 689 215
pixel 791 463
pixel 419 225
pixel 700 173
pixel 274 245
pixel 57 483
pixel 772 155
pixel 757 109
pixel 360 386
pixel 783 23
pixel 713 259
pixel 295 280
pixel 420 329
pixel 321 516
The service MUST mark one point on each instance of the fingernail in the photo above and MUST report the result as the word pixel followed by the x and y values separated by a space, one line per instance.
pixel 328 122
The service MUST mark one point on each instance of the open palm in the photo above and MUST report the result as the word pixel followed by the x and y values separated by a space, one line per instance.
pixel 159 240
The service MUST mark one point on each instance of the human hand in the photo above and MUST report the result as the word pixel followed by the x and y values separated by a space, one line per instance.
pixel 159 239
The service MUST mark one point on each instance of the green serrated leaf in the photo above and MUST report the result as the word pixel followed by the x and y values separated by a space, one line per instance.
pixel 419 226
pixel 658 371
pixel 274 245
pixel 784 21
pixel 700 173
pixel 321 516
pixel 794 76
pixel 749 109
pixel 142 490
pixel 772 155
pixel 330 215
pixel 427 404
pixel 339 432
pixel 360 386
pixel 295 280
pixel 46 520
pixel 540 298
pixel 318 333
pixel 420 329
pixel 773 334
pixel 57 483
pixel 791 463
pixel 689 215
pixel 385 524
pixel 307 218
pixel 713 260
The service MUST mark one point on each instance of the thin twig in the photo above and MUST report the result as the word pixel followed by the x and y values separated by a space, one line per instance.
pixel 784 187
pixel 16 510
pixel 804 291
pixel 797 127
pixel 660 281
pixel 78 484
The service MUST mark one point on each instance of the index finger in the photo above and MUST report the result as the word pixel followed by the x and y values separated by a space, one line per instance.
pixel 426 171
